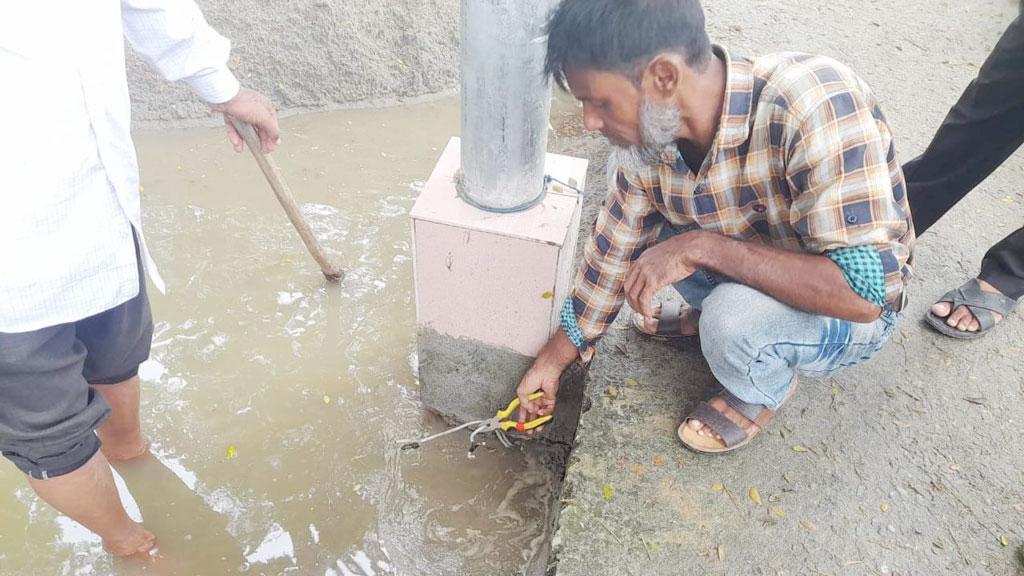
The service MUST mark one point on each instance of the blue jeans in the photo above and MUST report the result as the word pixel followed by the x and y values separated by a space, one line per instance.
pixel 756 345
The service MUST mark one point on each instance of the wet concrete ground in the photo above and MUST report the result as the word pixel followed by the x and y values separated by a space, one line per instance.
pixel 911 464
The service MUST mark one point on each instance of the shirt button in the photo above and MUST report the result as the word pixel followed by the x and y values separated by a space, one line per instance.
pixel 760 208
pixel 851 219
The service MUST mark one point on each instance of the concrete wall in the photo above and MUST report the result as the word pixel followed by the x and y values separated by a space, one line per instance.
pixel 319 53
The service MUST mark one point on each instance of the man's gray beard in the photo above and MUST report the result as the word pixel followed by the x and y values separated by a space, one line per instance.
pixel 659 126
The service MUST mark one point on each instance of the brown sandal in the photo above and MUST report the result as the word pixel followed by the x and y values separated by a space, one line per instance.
pixel 733 435
pixel 670 321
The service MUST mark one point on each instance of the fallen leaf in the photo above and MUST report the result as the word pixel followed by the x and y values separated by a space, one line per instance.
pixel 637 469
pixel 658 460
pixel 357 487
pixel 785 476
pixel 884 507
pixel 1004 540
pixel 918 410
pixel 754 495
pixel 232 451
pixel 835 390
pixel 721 553
pixel 716 487
pixel 807 525
pixel 631 382
pixel 775 498
pixel 947 360
pixel 612 391
pixel 327 399
pixel 607 492
pixel 548 295
pixel 799 448
pixel 777 510
pixel 141 188
pixel 622 348
pixel 979 400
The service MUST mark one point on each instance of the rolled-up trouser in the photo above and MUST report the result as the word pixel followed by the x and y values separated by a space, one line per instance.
pixel 48 410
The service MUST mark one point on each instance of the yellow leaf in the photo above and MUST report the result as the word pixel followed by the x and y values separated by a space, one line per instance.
pixel 884 507
pixel 721 553
pixel 717 487
pixel 777 510
pixel 1004 540
pixel 548 295
pixel 806 525
pixel 142 188
pixel 754 495
pixel 658 460
pixel 327 399
pixel 632 383
pixel 799 448
pixel 607 492
pixel 835 391
pixel 612 391
pixel 232 452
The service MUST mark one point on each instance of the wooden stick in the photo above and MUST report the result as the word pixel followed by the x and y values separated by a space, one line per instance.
pixel 284 196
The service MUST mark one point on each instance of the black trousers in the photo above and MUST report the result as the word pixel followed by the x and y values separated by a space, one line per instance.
pixel 981 131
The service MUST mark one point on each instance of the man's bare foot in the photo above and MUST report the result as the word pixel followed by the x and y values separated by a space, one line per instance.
pixel 136 542
pixel 962 319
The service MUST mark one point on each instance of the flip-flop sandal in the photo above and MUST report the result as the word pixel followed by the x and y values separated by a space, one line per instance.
pixel 733 435
pixel 982 304
pixel 670 321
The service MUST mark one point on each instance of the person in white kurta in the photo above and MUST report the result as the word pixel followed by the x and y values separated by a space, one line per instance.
pixel 74 319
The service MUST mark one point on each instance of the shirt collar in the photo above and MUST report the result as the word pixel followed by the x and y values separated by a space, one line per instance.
pixel 734 124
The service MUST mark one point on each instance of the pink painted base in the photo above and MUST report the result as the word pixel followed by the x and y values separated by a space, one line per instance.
pixel 495 278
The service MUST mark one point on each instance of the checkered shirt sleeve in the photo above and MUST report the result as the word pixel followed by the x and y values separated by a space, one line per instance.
pixel 862 268
pixel 839 171
pixel 626 226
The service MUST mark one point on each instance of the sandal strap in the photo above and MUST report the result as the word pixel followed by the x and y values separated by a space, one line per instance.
pixel 731 434
pixel 669 320
pixel 982 304
pixel 753 412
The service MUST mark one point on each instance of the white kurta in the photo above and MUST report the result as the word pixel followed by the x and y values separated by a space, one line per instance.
pixel 69 178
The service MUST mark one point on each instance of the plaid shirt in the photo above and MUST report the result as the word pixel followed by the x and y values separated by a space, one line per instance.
pixel 803 161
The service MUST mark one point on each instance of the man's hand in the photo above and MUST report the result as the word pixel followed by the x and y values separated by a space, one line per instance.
pixel 554 358
pixel 660 265
pixel 254 108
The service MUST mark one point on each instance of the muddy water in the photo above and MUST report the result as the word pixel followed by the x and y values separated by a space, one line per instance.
pixel 274 400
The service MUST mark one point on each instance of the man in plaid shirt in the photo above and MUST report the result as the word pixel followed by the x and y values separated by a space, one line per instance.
pixel 766 190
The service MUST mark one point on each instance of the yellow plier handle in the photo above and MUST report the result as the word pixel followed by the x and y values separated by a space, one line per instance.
pixel 507 425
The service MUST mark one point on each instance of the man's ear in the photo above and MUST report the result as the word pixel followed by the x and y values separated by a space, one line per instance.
pixel 662 75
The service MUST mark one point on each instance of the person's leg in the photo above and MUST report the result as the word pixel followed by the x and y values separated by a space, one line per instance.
pixel 981 131
pixel 88 496
pixel 756 345
pixel 48 414
pixel 118 341
pixel 1003 265
pixel 121 434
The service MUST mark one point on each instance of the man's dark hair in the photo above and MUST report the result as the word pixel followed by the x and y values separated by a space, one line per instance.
pixel 622 35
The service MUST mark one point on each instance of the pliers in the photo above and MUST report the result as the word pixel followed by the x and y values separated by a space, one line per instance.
pixel 499 424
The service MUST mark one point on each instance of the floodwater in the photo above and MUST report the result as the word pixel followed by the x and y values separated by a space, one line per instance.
pixel 273 400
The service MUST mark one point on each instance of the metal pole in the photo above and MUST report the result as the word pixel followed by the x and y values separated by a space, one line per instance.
pixel 506 101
